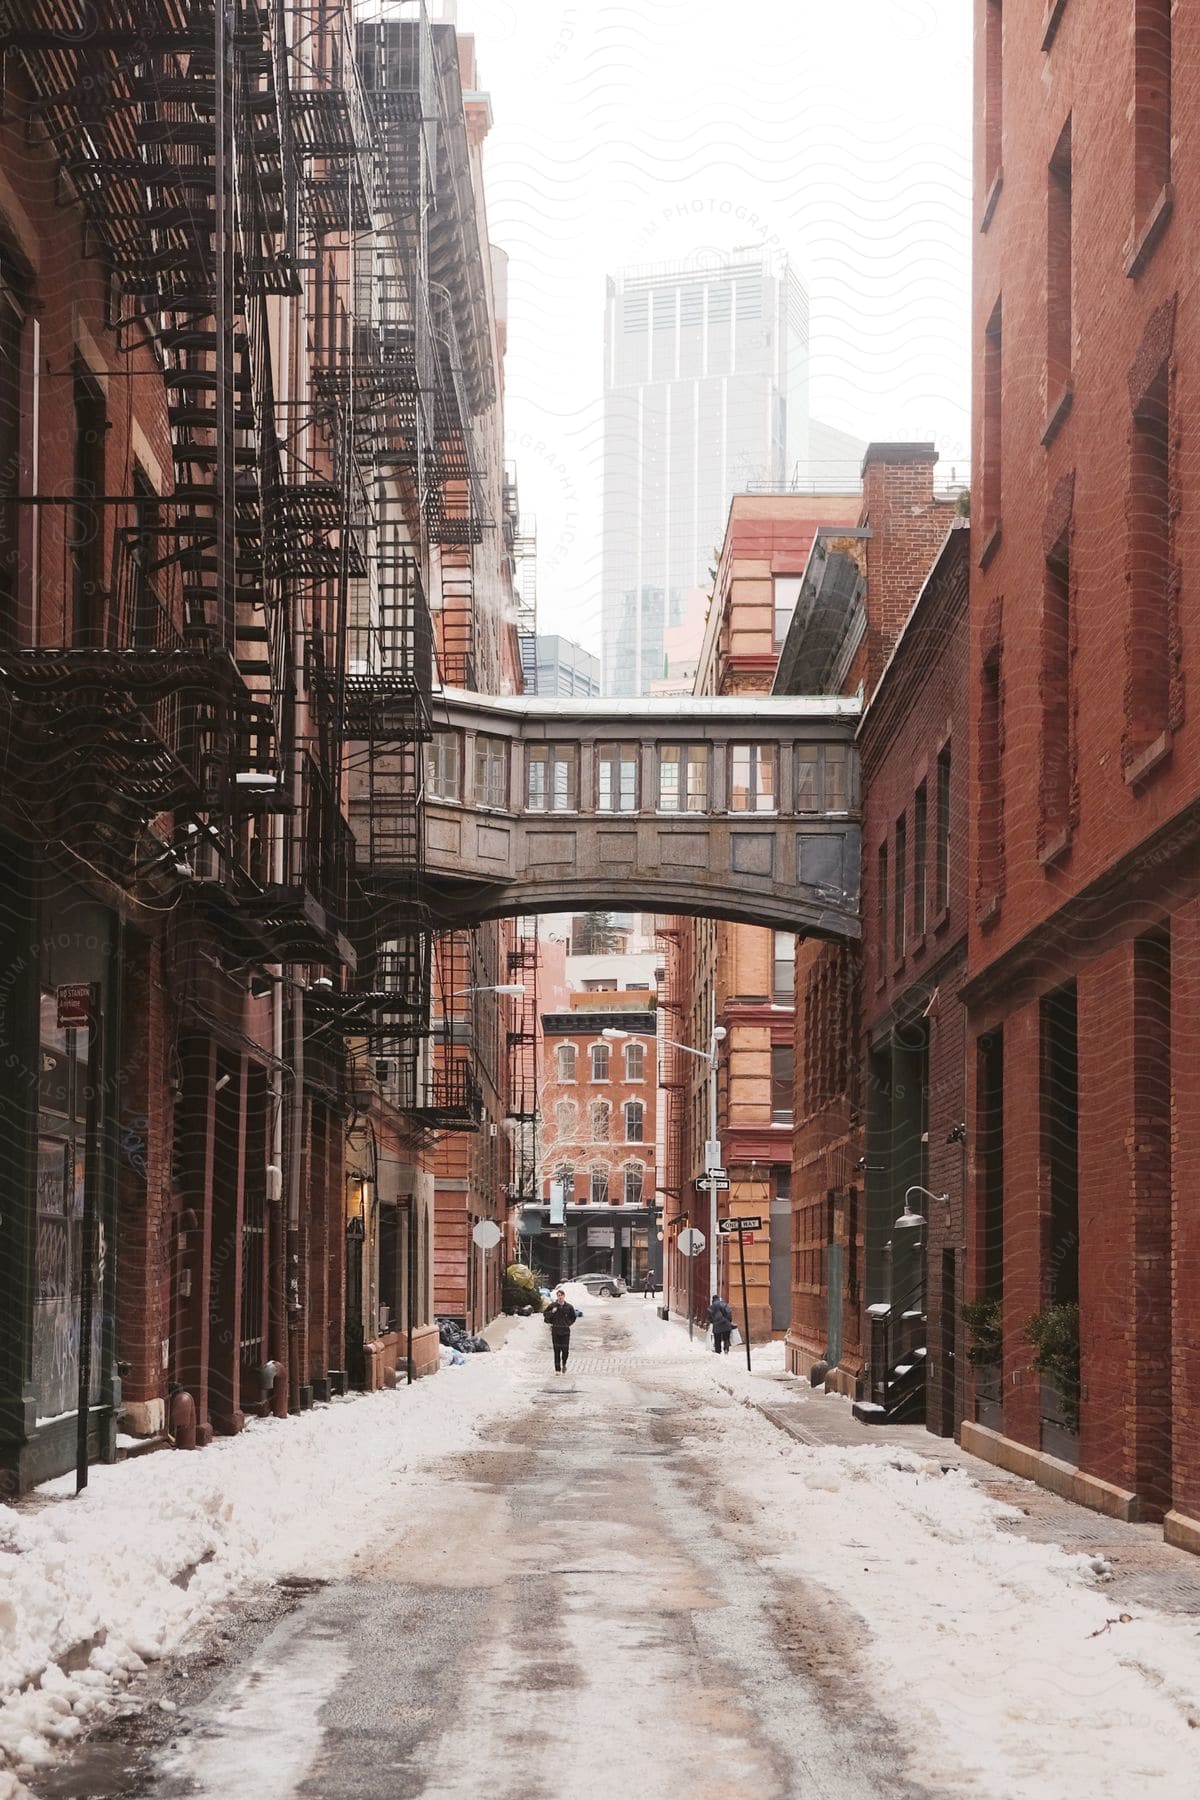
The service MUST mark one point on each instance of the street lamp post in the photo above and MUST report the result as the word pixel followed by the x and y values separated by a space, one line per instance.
pixel 712 1149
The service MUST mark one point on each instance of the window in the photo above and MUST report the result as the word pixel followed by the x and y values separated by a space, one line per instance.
pixel 87 517
pixel 900 886
pixel 943 829
pixel 752 778
pixel 783 980
pixel 634 1174
pixel 1149 563
pixel 566 1062
pixel 635 1117
pixel 564 1118
pixel 881 883
pixel 598 1187
pixel 993 92
pixel 552 778
pixel 12 328
pixel 442 768
pixel 635 1062
pixel 992 376
pixel 783 1078
pixel 1152 121
pixel 1059 260
pixel 683 778
pixel 1056 694
pixel 491 771
pixel 826 778
pixel 920 857
pixel 786 593
pixel 599 1062
pixel 600 1114
pixel 991 788
pixel 617 778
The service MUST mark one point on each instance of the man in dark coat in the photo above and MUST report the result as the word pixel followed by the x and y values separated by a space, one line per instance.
pixel 560 1315
pixel 720 1317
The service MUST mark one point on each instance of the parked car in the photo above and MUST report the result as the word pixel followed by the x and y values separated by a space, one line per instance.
pixel 611 1286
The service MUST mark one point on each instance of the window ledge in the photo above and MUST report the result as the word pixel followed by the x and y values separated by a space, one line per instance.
pixel 941 920
pixel 988 911
pixel 1050 24
pixel 917 947
pixel 991 543
pixel 993 195
pixel 1059 413
pixel 1148 760
pixel 1137 256
pixel 1055 846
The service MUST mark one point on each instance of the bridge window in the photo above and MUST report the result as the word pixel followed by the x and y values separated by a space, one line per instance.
pixel 634 1174
pixel 443 767
pixel 617 779
pixel 552 778
pixel 635 1118
pixel 825 778
pixel 635 1062
pixel 599 1187
pixel 601 1121
pixel 491 771
pixel 566 1062
pixel 599 1062
pixel 683 778
pixel 752 778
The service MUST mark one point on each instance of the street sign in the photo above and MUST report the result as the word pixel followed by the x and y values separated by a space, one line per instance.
pixel 712 1153
pixel 74 1006
pixel 720 1182
pixel 691 1242
pixel 487 1234
pixel 727 1227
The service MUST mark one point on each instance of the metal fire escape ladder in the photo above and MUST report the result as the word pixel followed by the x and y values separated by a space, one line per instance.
pixel 523 1072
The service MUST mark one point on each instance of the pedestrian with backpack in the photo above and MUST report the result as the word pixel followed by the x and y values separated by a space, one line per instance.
pixel 720 1317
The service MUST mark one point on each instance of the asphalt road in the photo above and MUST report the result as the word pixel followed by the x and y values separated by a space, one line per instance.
pixel 569 1609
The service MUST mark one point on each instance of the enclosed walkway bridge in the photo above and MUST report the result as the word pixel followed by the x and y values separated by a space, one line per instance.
pixel 735 808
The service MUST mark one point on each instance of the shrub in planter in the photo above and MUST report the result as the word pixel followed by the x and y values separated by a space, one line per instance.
pixel 984 1319
pixel 1054 1334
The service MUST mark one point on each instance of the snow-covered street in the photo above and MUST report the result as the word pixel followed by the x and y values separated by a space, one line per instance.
pixel 508 1582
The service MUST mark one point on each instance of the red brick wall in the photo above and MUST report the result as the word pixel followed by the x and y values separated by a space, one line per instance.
pixel 1068 903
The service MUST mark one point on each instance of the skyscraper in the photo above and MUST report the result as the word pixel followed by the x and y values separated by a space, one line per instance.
pixel 706 392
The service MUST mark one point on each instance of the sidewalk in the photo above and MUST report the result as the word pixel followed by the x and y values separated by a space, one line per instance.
pixel 1140 1568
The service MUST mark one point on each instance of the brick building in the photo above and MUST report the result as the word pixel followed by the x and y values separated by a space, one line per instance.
pixel 739 977
pixel 857 590
pixel 599 1130
pixel 1084 951
pixel 912 749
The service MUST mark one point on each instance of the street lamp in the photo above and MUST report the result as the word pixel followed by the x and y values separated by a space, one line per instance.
pixel 712 1150
pixel 515 988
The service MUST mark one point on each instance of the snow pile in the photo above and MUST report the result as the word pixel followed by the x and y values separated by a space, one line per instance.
pixel 91 1589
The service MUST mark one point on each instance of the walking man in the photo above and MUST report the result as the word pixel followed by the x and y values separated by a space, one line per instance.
pixel 560 1315
pixel 650 1286
pixel 720 1317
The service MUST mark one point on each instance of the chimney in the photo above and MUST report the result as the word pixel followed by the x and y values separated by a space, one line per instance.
pixel 907 527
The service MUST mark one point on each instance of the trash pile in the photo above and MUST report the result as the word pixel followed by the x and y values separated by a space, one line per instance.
pixel 521 1294
pixel 457 1343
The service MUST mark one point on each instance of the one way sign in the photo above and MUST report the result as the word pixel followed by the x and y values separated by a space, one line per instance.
pixel 727 1227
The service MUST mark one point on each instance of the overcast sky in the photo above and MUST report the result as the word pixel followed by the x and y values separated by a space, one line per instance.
pixel 836 133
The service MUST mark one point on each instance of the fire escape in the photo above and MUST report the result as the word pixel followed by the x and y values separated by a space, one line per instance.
pixel 522 1069
pixel 172 687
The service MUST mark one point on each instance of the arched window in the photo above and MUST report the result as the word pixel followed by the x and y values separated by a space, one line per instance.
pixel 633 1184
pixel 601 1121
pixel 564 1118
pixel 566 1062
pixel 599 1187
pixel 599 1062
pixel 635 1062
pixel 635 1115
